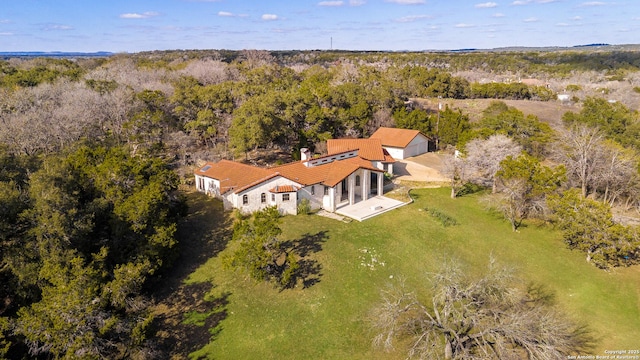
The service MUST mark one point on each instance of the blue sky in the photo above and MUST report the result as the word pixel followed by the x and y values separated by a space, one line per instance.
pixel 141 25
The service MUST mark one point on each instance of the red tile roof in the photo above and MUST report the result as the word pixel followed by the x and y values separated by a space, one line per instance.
pixel 238 177
pixel 370 149
pixel 233 175
pixel 395 137
pixel 283 189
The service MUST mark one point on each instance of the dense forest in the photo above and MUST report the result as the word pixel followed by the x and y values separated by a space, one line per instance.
pixel 93 150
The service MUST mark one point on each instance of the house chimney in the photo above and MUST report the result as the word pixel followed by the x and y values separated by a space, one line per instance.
pixel 305 154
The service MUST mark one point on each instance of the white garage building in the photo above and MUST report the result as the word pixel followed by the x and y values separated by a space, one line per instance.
pixel 402 143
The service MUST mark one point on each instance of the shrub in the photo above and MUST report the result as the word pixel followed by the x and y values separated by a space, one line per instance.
pixel 443 218
pixel 304 207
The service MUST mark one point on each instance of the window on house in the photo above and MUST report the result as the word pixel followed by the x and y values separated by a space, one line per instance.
pixel 285 197
pixel 357 180
pixel 263 198
pixel 245 199
pixel 273 197
pixel 201 183
pixel 326 190
pixel 313 189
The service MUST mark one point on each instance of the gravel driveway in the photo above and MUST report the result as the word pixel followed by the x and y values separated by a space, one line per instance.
pixel 426 167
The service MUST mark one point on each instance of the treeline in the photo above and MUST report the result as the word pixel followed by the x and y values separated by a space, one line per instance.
pixel 83 233
pixel 235 102
pixel 552 62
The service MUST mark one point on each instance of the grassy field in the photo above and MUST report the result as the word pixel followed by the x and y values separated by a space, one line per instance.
pixel 349 263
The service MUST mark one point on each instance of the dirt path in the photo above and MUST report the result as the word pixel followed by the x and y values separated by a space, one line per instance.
pixel 426 167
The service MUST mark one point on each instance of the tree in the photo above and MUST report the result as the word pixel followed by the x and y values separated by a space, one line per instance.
pixel 588 225
pixel 476 318
pixel 524 184
pixel 259 250
pixel 579 151
pixel 484 157
pixel 528 131
pixel 451 127
pixel 73 319
pixel 618 174
pixel 615 120
pixel 456 169
pixel 100 224
pixel 416 119
pixel 258 122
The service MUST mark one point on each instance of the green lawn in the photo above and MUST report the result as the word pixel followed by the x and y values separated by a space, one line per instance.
pixel 328 319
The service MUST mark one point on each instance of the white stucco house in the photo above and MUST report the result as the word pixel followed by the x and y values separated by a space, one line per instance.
pixel 325 181
pixel 352 171
pixel 402 143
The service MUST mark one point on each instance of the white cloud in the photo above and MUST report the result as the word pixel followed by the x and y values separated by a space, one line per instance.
pixel 464 26
pixel 331 3
pixel 526 2
pixel 413 18
pixel 593 3
pixel 357 2
pixel 225 13
pixel 5 21
pixel 269 17
pixel 53 27
pixel 498 15
pixel 530 20
pixel 486 5
pixel 6 33
pixel 576 18
pixel 562 24
pixel 145 15
pixel 406 2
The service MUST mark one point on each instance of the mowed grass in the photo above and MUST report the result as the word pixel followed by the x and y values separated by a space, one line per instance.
pixel 329 319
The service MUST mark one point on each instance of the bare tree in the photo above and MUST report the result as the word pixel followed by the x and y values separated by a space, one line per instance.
pixel 256 58
pixel 579 151
pixel 467 318
pixel 484 157
pixel 618 173
pixel 455 168
pixel 381 118
pixel 209 72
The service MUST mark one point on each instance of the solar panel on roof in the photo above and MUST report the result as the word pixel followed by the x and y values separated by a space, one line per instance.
pixel 205 168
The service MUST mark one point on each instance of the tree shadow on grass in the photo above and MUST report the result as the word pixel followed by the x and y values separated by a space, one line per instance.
pixel 309 269
pixel 202 234
pixel 189 321
pixel 186 317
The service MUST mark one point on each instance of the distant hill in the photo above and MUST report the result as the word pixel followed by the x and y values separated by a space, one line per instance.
pixel 55 54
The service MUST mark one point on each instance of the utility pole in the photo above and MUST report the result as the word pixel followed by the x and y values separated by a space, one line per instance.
pixel 438 124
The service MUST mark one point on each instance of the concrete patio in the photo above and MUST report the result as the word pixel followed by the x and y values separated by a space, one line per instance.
pixel 362 210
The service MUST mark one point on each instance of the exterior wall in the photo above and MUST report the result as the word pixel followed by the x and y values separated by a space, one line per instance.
pixel 390 168
pixel 386 167
pixel 211 187
pixel 396 153
pixel 254 197
pixel 208 186
pixel 419 145
pixel 329 201
pixel 314 196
